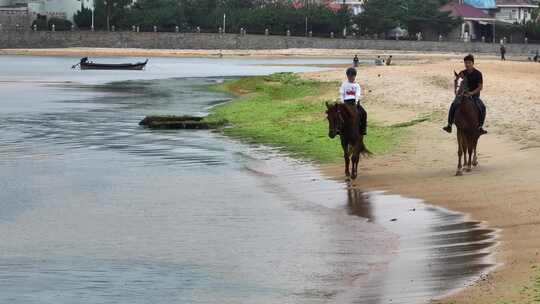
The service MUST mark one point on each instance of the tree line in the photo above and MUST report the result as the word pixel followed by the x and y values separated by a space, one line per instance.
pixel 297 16
pixel 207 15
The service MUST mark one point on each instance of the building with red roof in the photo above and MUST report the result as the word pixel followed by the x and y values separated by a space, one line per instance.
pixel 477 23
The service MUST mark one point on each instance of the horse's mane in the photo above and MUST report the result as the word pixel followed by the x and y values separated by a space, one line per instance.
pixel 465 118
pixel 463 86
pixel 347 110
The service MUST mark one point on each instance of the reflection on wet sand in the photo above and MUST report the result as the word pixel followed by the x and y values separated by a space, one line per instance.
pixel 357 204
pixel 439 251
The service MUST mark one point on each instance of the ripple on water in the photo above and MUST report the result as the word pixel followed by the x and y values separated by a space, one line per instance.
pixel 111 212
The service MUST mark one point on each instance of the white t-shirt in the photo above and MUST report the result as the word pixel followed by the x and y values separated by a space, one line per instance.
pixel 350 90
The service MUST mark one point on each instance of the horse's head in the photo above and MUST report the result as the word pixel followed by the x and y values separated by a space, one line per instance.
pixel 460 84
pixel 335 120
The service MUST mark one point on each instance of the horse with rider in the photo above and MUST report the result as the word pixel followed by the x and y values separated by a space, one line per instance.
pixel 348 119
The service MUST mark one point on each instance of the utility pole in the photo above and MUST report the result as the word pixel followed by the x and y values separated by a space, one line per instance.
pixel 224 22
pixel 306 9
pixel 93 9
pixel 108 6
pixel 344 30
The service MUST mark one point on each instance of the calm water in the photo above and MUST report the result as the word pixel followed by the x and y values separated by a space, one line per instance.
pixel 95 209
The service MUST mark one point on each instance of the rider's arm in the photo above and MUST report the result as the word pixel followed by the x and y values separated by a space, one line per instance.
pixel 342 92
pixel 480 87
pixel 358 93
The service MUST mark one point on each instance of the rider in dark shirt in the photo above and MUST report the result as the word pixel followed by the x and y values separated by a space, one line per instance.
pixel 475 84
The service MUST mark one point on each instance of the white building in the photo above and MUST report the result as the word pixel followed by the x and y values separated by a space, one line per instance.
pixel 515 11
pixel 356 6
pixel 64 9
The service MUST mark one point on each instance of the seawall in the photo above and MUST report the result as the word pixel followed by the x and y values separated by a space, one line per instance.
pixel 150 40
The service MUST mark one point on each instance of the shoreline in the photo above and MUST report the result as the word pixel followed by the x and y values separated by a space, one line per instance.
pixel 277 53
pixel 421 164
pixel 500 193
pixel 243 87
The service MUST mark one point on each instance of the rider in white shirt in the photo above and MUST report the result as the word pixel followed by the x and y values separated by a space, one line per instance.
pixel 351 93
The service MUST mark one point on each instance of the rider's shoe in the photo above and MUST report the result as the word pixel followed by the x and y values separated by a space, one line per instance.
pixel 482 131
pixel 448 128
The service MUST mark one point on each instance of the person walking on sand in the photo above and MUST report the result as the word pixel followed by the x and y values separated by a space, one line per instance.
pixel 503 52
pixel 355 61
pixel 350 93
pixel 475 84
pixel 389 60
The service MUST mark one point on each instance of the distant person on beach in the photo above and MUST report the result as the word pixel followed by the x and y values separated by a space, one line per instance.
pixel 355 61
pixel 503 52
pixel 475 84
pixel 536 56
pixel 389 60
pixel 350 93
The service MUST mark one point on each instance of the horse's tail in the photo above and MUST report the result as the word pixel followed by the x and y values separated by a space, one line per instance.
pixel 363 149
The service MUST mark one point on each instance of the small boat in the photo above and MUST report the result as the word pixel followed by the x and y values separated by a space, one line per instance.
pixel 84 64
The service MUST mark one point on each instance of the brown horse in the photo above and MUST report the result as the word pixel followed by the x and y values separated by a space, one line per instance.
pixel 467 122
pixel 343 121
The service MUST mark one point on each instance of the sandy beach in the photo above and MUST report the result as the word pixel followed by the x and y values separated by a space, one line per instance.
pixel 503 191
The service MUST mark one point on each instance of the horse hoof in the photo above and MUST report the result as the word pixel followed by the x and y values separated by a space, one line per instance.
pixel 475 164
pixel 459 173
pixel 353 176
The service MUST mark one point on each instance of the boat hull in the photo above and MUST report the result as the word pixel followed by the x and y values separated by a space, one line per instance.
pixel 99 66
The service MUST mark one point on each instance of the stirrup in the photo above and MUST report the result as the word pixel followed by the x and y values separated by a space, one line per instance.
pixel 448 128
pixel 482 131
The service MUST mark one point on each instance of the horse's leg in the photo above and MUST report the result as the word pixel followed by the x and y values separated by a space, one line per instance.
pixel 475 158
pixel 460 153
pixel 345 147
pixel 355 160
pixel 466 154
pixel 469 149
pixel 469 162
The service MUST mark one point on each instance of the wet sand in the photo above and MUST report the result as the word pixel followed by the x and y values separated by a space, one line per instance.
pixel 429 251
pixel 503 192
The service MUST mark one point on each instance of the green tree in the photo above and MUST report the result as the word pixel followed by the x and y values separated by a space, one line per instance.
pixel 204 13
pixel 59 24
pixel 165 14
pixel 41 23
pixel 379 16
pixel 108 13
pixel 421 15
pixel 83 18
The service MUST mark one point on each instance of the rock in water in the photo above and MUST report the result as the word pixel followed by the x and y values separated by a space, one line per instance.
pixel 178 122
